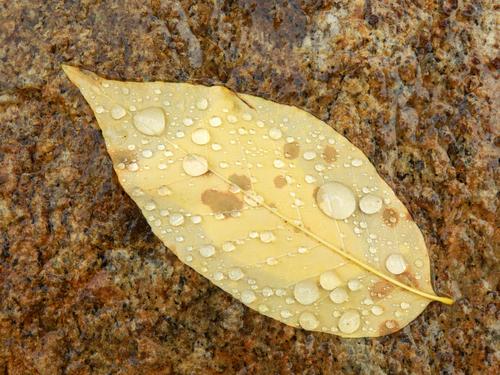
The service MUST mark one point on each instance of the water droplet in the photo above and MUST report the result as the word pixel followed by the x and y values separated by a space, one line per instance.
pixel 271 261
pixel 336 200
pixel 132 167
pixel 377 310
pixel 202 104
pixel 147 153
pixel 164 191
pixel 302 250
pixel 118 112
pixel 207 251
pixel 125 91
pixel 395 264
pixel 235 274
pixel 196 219
pixel 232 119
pixel 356 162
pixel 309 155
pixel 354 284
pixel 247 296
pixel 308 320
pixel 419 263
pixel 215 121
pixel 278 163
pixel 176 219
pixel 267 236
pixel 228 246
pixel 200 136
pixel 194 165
pixel 285 314
pixel 164 213
pixel 339 295
pixel 150 121
pixel 350 321
pixel 405 305
pixel 246 116
pixel 218 276
pixel 267 292
pixel 150 206
pixel 99 109
pixel 329 280
pixel 216 147
pixel 275 133
pixel 309 179
pixel 370 204
pixel 306 292
pixel 188 121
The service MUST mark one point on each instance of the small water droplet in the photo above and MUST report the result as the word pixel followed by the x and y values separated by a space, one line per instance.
pixel 218 276
pixel 356 162
pixel 176 219
pixel 118 112
pixel 132 167
pixel 309 155
pixel 215 121
pixel 200 136
pixel 267 236
pixel 278 163
pixel 164 190
pixel 207 251
pixel 99 109
pixel 147 153
pixel 285 314
pixel 275 133
pixel 202 104
pixel 235 274
pixel 267 292
pixel 248 296
pixel 150 206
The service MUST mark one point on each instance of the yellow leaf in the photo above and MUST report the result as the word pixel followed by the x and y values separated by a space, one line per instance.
pixel 267 202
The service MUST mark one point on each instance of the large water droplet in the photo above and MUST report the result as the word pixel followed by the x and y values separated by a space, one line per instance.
pixel 329 280
pixel 194 165
pixel 150 121
pixel 395 264
pixel 207 251
pixel 308 320
pixel 339 295
pixel 370 204
pixel 350 321
pixel 306 292
pixel 336 200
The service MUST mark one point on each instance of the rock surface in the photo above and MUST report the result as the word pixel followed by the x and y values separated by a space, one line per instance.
pixel 85 288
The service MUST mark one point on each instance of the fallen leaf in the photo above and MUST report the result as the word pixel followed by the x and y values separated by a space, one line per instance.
pixel 266 201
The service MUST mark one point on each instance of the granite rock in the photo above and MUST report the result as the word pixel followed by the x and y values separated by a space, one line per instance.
pixel 85 287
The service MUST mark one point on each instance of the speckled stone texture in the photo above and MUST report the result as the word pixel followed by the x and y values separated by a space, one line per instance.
pixel 85 287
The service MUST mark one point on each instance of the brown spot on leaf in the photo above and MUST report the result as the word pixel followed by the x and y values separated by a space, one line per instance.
pixel 408 278
pixel 387 327
pixel 279 181
pixel 390 217
pixel 329 154
pixel 291 150
pixel 381 289
pixel 315 191
pixel 122 156
pixel 242 181
pixel 221 201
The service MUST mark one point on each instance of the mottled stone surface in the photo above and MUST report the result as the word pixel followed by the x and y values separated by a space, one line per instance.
pixel 85 288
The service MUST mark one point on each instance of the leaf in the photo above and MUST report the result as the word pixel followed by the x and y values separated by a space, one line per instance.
pixel 267 202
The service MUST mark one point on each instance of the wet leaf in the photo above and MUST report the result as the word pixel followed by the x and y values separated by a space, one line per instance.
pixel 267 202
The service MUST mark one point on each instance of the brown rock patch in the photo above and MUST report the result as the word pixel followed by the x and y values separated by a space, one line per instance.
pixel 291 150
pixel 390 217
pixel 242 181
pixel 329 154
pixel 279 181
pixel 221 201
